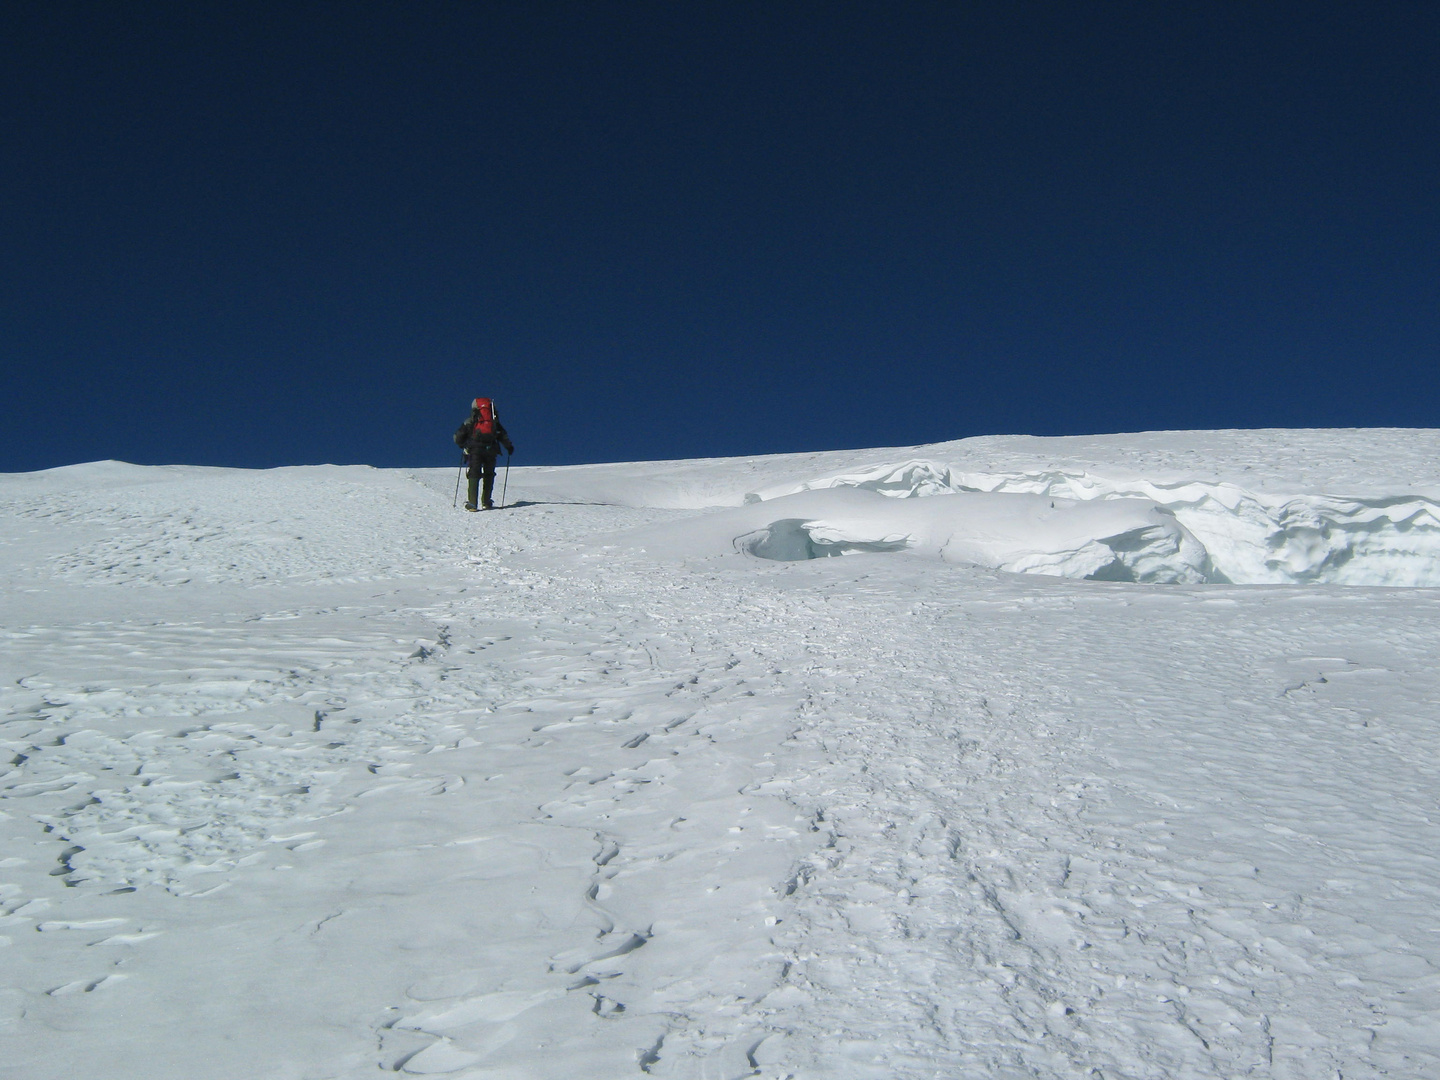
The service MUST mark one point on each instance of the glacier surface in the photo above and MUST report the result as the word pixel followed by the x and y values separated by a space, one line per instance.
pixel 1096 756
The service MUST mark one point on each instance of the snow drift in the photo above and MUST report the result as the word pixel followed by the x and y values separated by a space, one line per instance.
pixel 1244 537
pixel 1111 540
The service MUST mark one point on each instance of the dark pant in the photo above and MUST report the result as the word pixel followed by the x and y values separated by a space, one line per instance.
pixel 482 467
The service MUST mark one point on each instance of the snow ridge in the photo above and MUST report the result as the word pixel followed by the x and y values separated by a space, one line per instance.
pixel 1391 539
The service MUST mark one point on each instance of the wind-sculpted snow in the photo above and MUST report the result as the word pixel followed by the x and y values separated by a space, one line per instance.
pixel 1248 538
pixel 1385 539
pixel 907 480
pixel 307 774
pixel 1110 540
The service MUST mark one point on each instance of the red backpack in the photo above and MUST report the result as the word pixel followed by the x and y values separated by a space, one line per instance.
pixel 485 420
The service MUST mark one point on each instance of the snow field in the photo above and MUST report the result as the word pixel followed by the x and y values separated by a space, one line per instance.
pixel 584 788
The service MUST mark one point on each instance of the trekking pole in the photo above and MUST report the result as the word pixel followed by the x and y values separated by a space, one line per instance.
pixel 456 500
pixel 506 482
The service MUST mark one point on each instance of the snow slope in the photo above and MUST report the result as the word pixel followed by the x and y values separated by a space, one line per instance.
pixel 1107 756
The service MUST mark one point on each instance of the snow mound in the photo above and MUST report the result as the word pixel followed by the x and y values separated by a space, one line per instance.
pixel 911 479
pixel 1109 540
pixel 1388 539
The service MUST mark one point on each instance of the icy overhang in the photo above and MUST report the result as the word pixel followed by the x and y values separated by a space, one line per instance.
pixel 1243 537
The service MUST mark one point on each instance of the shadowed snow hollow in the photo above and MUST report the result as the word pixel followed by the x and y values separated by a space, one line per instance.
pixel 1247 537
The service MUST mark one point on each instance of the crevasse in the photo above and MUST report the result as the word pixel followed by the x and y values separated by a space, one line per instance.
pixel 1387 539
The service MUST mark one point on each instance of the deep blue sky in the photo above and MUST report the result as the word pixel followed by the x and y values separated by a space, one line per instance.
pixel 260 234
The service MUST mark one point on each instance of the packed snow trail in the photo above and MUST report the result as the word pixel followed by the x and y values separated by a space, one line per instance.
pixel 314 777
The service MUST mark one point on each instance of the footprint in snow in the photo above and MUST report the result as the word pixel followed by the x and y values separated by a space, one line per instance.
pixel 613 944
pixel 85 986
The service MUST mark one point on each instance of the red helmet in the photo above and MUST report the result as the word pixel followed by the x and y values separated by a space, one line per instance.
pixel 480 403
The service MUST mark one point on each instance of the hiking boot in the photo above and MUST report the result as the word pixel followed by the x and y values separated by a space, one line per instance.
pixel 471 507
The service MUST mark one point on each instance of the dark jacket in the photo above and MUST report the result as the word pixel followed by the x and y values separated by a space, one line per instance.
pixel 477 444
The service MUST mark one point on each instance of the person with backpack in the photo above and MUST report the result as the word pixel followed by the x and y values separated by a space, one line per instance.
pixel 481 437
